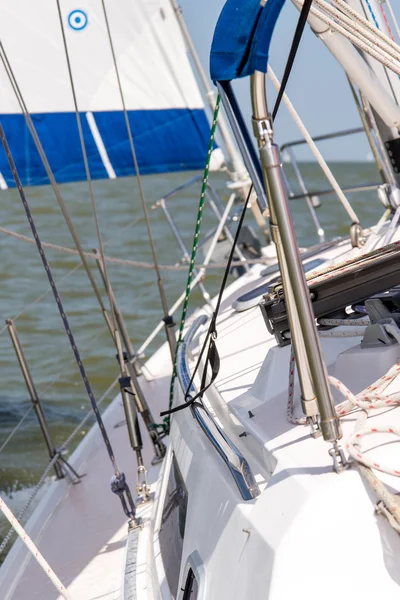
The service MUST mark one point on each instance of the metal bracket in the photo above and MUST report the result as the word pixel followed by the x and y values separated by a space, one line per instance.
pixel 340 463
pixel 263 129
pixel 357 237
pixel 143 489
pixel 315 426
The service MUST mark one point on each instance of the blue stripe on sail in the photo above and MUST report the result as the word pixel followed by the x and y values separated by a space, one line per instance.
pixel 165 140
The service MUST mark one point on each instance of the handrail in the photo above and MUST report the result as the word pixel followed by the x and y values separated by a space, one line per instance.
pixel 237 464
pixel 348 190
pixel 326 136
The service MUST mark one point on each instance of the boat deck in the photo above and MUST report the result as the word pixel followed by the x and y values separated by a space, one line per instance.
pixel 84 534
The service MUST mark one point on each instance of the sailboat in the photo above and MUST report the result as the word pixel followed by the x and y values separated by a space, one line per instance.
pixel 274 473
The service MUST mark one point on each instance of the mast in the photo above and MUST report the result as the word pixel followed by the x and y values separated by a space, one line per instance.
pixel 234 154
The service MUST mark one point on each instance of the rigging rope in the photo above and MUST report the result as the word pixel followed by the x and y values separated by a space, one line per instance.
pixel 352 33
pixel 212 357
pixel 193 255
pixel 320 159
pixel 305 9
pixel 119 478
pixel 30 499
pixel 33 550
pixel 393 16
pixel 372 397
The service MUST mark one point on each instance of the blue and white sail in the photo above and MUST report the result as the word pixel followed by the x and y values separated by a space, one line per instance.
pixel 165 107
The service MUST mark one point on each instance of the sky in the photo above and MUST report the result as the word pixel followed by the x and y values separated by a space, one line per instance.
pixel 318 87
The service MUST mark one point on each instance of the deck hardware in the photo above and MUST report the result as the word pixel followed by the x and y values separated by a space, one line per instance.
pixel 12 330
pixel 135 437
pixel 340 463
pixel 143 488
pixel 251 415
pixel 315 427
pixel 357 235
pixel 243 434
pixel 143 407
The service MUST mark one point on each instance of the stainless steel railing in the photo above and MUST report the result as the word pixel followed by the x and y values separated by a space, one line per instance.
pixel 236 463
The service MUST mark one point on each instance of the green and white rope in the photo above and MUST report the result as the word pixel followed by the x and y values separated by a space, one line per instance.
pixel 193 254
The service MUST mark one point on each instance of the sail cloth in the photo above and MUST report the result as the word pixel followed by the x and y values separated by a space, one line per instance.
pixel 242 38
pixel 165 108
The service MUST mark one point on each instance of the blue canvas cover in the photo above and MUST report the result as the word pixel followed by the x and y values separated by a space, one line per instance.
pixel 242 38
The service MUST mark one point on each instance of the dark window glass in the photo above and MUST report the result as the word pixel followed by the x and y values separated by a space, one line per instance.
pixel 172 528
pixel 191 587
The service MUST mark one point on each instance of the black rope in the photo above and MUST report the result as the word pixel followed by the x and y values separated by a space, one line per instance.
pixel 118 483
pixel 292 54
pixel 212 357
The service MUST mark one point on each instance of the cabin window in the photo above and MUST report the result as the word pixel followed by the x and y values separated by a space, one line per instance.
pixel 191 588
pixel 172 528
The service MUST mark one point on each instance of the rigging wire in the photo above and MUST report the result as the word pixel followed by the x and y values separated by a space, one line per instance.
pixel 118 483
pixel 50 175
pixel 90 186
pixel 292 54
pixel 167 317
pixel 34 550
pixel 212 357
pixel 16 428
pixel 21 237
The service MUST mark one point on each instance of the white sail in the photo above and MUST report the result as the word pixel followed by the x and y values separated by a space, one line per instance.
pixel 165 107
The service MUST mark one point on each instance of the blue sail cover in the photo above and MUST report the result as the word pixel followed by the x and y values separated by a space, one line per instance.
pixel 164 105
pixel 242 38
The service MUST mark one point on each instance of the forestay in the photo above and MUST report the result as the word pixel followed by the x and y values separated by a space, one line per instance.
pixel 165 108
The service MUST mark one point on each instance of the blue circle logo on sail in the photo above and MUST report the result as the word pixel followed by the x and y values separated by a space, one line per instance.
pixel 77 20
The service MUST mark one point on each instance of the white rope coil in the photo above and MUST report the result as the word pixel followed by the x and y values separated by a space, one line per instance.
pixel 372 397
pixel 33 549
pixel 368 462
